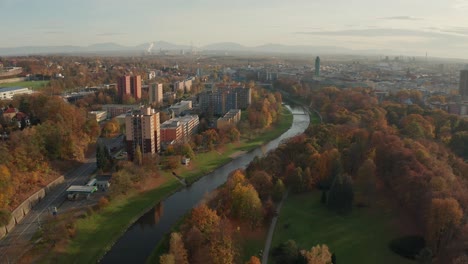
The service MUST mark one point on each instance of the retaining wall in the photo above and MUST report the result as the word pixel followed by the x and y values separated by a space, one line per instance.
pixel 24 208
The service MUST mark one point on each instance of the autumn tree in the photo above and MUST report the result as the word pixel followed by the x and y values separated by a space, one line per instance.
pixel 204 219
pixel 167 259
pixel 365 182
pixel 262 183
pixel 177 249
pixel 253 260
pixel 318 255
pixel 110 128
pixel 246 204
pixel 445 216
pixel 6 188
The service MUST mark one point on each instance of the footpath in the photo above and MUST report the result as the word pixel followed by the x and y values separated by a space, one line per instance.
pixel 271 231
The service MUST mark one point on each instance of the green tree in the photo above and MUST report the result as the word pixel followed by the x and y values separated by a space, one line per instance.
pixel 278 190
pixel 246 204
pixel 341 195
pixel 366 182
pixel 101 156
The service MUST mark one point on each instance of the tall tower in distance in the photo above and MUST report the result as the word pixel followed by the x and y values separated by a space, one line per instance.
pixel 464 84
pixel 317 67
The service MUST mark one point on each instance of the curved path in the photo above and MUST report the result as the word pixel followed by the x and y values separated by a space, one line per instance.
pixel 271 231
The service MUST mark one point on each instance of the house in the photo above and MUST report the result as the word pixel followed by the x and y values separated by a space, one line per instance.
pixel 103 182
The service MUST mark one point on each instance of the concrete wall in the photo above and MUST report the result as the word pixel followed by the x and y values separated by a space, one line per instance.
pixel 24 208
pixel 12 80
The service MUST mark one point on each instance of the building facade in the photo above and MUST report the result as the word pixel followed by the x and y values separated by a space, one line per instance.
pixel 180 107
pixel 464 84
pixel 231 118
pixel 129 85
pixel 7 93
pixel 156 93
pixel 219 102
pixel 142 130
pixel 179 129
pixel 114 110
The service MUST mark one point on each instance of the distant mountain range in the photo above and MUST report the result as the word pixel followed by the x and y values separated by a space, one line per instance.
pixel 107 48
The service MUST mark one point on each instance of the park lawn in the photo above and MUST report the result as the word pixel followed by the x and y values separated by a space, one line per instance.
pixel 252 242
pixel 360 237
pixel 35 85
pixel 96 233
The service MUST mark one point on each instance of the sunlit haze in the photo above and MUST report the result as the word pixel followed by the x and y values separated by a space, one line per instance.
pixel 409 27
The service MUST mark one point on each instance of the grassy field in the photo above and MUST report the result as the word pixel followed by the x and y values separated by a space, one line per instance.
pixel 35 85
pixel 96 233
pixel 360 237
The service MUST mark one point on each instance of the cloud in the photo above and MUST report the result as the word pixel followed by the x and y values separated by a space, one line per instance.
pixel 401 18
pixel 457 30
pixel 460 4
pixel 54 32
pixel 382 32
pixel 110 34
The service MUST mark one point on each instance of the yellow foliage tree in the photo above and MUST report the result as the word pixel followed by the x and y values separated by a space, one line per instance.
pixel 318 255
pixel 445 217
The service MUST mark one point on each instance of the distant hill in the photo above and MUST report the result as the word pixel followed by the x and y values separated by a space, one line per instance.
pixel 110 47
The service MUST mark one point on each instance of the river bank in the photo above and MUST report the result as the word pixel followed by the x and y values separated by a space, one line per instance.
pixel 141 238
pixel 98 232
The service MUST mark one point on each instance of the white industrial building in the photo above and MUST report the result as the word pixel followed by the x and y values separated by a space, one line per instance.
pixel 8 92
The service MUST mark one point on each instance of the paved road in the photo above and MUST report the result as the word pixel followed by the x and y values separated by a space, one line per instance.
pixel 266 250
pixel 15 243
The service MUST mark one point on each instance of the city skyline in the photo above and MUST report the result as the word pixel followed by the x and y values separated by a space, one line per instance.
pixel 407 27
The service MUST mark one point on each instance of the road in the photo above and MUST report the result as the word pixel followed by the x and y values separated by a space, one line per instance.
pixel 17 242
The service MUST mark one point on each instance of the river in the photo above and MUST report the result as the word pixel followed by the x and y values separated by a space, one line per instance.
pixel 137 243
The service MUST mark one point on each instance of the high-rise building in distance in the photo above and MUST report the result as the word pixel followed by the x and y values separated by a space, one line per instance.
pixel 156 93
pixel 317 66
pixel 464 84
pixel 129 85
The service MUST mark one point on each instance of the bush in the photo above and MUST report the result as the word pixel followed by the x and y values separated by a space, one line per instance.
pixel 408 246
pixel 103 202
pixel 5 217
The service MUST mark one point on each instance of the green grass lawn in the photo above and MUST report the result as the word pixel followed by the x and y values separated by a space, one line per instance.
pixel 96 233
pixel 35 85
pixel 360 237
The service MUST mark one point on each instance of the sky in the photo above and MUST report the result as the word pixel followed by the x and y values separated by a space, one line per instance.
pixel 439 27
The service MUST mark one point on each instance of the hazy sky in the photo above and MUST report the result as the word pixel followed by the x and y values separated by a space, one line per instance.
pixel 439 27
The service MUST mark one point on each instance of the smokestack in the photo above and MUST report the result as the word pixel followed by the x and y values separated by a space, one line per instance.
pixel 150 47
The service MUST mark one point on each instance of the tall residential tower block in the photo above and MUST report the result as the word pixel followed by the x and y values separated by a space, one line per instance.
pixel 142 130
pixel 129 85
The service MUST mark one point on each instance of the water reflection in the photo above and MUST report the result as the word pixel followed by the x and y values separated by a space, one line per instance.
pixel 151 218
